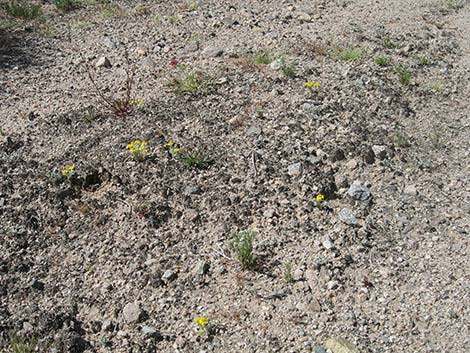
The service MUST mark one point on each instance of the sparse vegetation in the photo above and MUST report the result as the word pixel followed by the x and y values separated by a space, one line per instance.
pixel 382 60
pixel 263 58
pixel 349 54
pixel 187 81
pixel 288 273
pixel 19 345
pixel 388 43
pixel 404 74
pixel 121 106
pixel 24 10
pixel 242 246
pixel 66 5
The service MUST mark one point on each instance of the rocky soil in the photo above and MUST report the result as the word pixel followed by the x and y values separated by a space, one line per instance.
pixel 125 254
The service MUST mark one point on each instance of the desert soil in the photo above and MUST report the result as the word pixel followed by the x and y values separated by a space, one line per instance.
pixel 125 254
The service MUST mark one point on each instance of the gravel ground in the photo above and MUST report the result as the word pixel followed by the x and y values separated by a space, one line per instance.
pixel 123 255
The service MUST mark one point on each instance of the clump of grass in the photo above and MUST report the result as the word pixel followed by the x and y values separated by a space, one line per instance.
pixel 402 140
pixel 382 60
pixel 242 246
pixel 423 60
pixel 142 10
pixel 66 5
pixel 288 273
pixel 289 69
pixel 263 58
pixel 22 346
pixel 187 81
pixel 349 54
pixel 388 43
pixel 455 4
pixel 196 160
pixel 404 74
pixel 22 9
pixel 122 106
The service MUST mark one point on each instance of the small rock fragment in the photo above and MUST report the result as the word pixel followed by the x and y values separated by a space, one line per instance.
pixel 327 243
pixel 410 190
pixel 109 42
pixel 103 62
pixel 36 284
pixel 295 169
pixel 359 192
pixel 347 216
pixel 338 155
pixel 312 279
pixel 212 52
pixel 276 64
pixel 304 17
pixel 352 164
pixel 132 313
pixel 202 267
pixel 380 151
pixel 150 331
pixel 340 345
pixel 168 276
pixel 341 181
pixel 319 349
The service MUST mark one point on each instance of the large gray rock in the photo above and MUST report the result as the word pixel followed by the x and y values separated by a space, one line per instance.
pixel 359 192
pixel 132 313
pixel 347 216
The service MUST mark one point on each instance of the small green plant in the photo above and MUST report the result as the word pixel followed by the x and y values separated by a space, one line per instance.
pixel 349 54
pixel 388 43
pixel 138 149
pixel 382 60
pixel 401 140
pixel 288 273
pixel 454 4
pixel 289 69
pixel 22 9
pixel 122 106
pixel 142 10
pixel 263 58
pixel 205 327
pixel 66 5
pixel 319 201
pixel 195 160
pixel 242 245
pixel 173 19
pixel 404 74
pixel 423 60
pixel 22 346
pixel 187 81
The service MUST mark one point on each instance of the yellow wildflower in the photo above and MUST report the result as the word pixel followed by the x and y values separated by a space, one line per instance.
pixel 132 101
pixel 141 102
pixel 201 321
pixel 176 150
pixel 312 85
pixel 68 170
pixel 138 149
pixel 320 197
pixel 170 144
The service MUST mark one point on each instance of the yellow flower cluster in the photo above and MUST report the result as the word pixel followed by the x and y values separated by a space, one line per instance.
pixel 174 150
pixel 201 321
pixel 312 85
pixel 138 102
pixel 320 197
pixel 138 149
pixel 68 170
